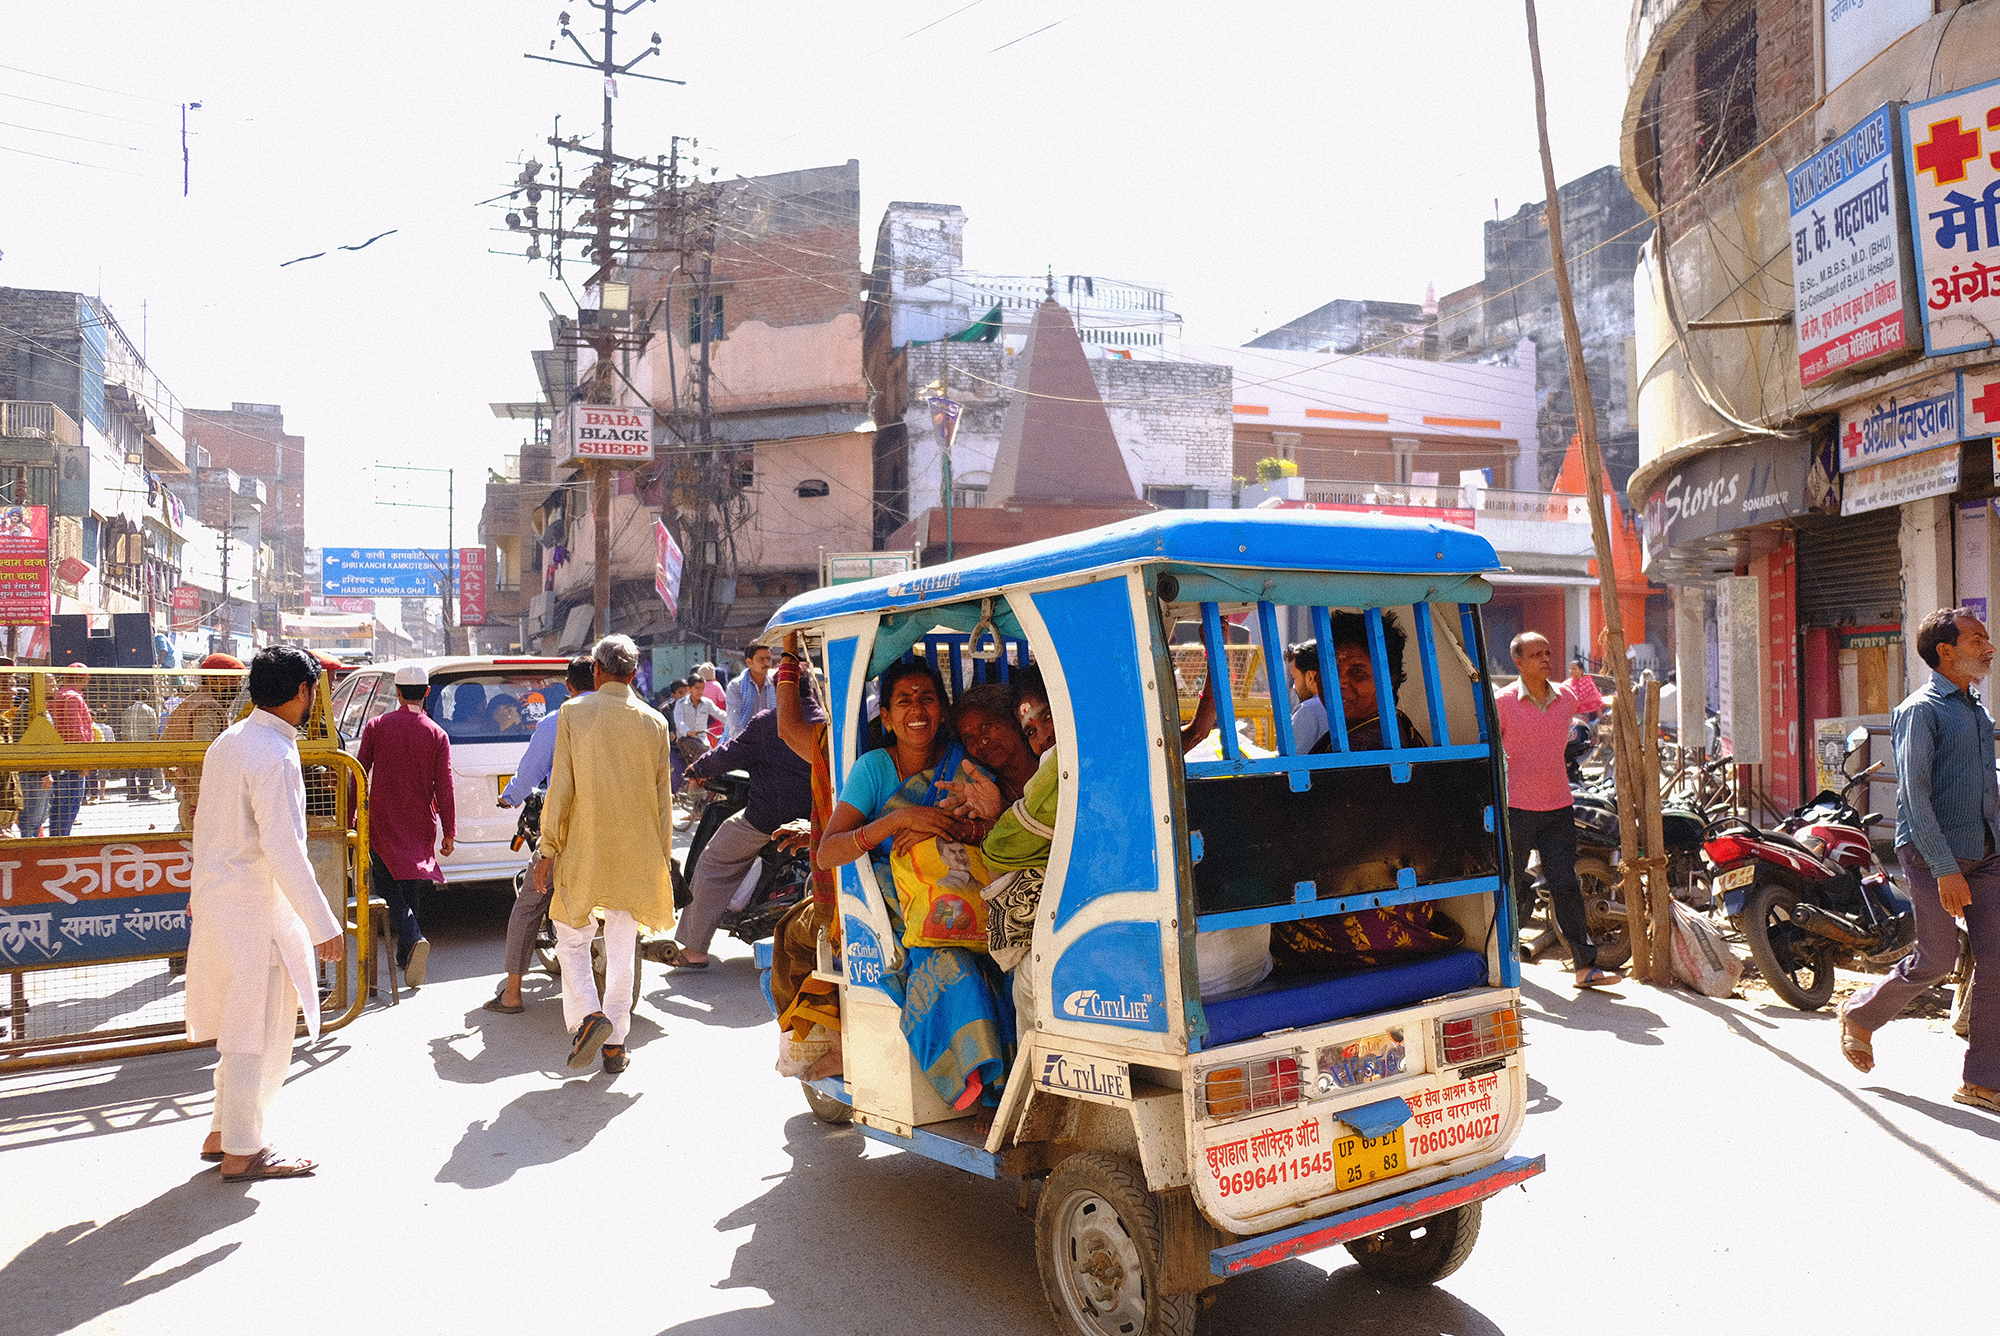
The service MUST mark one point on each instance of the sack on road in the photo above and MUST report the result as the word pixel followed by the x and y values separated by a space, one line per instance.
pixel 1702 959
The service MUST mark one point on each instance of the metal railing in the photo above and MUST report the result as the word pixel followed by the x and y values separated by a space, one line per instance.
pixel 1495 503
pixel 22 420
pixel 93 913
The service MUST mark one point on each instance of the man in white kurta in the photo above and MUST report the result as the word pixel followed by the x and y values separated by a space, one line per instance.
pixel 257 913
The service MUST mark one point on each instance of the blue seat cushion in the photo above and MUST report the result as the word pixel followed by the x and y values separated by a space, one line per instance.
pixel 1314 999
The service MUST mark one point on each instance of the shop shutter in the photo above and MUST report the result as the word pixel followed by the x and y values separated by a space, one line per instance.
pixel 1850 570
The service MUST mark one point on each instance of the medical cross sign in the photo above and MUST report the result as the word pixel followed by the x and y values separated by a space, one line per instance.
pixel 1952 173
pixel 1979 393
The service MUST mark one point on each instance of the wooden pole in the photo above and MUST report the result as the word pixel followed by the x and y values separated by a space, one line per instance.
pixel 1593 467
pixel 1661 957
pixel 1630 838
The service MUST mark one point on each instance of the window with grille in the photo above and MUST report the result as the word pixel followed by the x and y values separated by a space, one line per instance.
pixel 1725 71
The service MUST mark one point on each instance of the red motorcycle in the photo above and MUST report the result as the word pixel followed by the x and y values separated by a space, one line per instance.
pixel 1811 894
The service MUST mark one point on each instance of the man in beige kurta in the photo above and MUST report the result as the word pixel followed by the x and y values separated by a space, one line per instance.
pixel 607 837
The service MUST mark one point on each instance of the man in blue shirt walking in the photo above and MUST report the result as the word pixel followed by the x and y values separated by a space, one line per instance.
pixel 530 904
pixel 1947 823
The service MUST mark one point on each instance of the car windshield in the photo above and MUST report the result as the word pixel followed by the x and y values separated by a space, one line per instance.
pixel 497 706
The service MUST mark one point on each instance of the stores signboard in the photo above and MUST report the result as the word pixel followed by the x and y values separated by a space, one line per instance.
pixel 606 433
pixel 1915 419
pixel 24 565
pixel 1910 478
pixel 1850 263
pixel 1951 146
pixel 1727 489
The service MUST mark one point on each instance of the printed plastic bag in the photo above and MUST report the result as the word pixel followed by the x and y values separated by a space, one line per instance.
pixel 938 883
pixel 795 1055
pixel 1702 959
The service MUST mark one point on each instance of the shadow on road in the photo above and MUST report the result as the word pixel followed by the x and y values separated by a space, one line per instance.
pixel 541 1127
pixel 726 994
pixel 1955 1115
pixel 1594 1009
pixel 897 1245
pixel 1736 1022
pixel 143 1092
pixel 73 1275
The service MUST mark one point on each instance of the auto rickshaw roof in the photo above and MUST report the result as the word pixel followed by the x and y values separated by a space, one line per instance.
pixel 1274 540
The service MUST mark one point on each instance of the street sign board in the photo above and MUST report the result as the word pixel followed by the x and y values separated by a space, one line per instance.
pixel 381 572
pixel 609 433
pixel 472 586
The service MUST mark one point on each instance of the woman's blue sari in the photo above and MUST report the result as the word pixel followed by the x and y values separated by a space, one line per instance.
pixel 957 1018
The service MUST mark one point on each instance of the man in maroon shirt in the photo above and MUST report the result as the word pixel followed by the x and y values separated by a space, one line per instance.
pixel 408 759
pixel 71 715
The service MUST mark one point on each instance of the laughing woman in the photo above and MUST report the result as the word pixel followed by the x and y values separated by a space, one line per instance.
pixel 957 1021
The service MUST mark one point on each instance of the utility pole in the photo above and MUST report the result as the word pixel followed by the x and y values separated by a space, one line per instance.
pixel 1651 960
pixel 228 534
pixel 605 191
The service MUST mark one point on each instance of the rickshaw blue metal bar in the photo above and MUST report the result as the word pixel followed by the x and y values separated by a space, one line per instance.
pixel 1274 672
pixel 1385 685
pixel 1293 911
pixel 1427 653
pixel 1218 673
pixel 1468 626
pixel 1329 679
pixel 1285 765
pixel 1281 1245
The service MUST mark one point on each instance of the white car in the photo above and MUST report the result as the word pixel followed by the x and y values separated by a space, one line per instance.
pixel 488 707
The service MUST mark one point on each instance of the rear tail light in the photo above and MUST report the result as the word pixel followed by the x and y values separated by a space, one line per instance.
pixel 1726 849
pixel 1486 1034
pixel 1251 1087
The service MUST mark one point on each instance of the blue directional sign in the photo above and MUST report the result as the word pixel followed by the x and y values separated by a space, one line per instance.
pixel 381 572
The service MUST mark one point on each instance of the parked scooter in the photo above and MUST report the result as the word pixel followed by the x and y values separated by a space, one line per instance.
pixel 782 878
pixel 1811 894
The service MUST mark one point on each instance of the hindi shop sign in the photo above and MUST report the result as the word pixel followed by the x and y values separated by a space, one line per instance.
pixel 1727 489
pixel 94 902
pixel 610 434
pixel 1911 478
pixel 472 586
pixel 1914 420
pixel 1856 295
pixel 1952 154
pixel 24 565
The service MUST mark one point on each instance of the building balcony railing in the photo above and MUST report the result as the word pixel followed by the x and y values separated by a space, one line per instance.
pixel 23 420
pixel 1489 502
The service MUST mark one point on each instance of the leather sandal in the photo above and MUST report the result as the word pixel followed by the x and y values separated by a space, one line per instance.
pixel 266 1164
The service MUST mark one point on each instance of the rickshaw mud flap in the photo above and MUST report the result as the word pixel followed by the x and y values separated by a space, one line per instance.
pixel 1312 1235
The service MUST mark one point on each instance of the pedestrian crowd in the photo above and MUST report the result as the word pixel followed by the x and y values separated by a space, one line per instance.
pixel 956 809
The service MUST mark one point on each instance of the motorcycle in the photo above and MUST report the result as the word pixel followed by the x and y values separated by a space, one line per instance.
pixel 1597 853
pixel 1810 894
pixel 783 879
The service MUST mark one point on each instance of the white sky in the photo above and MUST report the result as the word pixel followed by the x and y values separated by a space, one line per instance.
pixel 1256 159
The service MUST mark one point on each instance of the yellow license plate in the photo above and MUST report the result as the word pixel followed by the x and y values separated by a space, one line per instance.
pixel 503 781
pixel 1358 1160
pixel 1741 876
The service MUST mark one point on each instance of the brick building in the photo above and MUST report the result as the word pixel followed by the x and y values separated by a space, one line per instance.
pixel 1800 559
pixel 250 441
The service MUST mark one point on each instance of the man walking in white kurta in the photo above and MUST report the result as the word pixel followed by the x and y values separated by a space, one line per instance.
pixel 257 915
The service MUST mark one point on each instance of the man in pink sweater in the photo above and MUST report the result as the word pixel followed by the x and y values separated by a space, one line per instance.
pixel 1535 716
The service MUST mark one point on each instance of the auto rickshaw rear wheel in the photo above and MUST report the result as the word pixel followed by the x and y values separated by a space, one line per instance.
pixel 825 1107
pixel 1421 1252
pixel 1098 1240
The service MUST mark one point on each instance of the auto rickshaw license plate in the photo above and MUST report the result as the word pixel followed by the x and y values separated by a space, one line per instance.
pixel 1359 1160
pixel 1741 876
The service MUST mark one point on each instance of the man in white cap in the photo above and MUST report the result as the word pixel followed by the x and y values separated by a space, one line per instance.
pixel 408 759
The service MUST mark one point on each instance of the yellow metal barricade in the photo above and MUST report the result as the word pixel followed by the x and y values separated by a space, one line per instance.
pixel 97 855
pixel 1249 692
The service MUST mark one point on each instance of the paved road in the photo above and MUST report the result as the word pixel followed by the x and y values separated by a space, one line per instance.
pixel 1714 1167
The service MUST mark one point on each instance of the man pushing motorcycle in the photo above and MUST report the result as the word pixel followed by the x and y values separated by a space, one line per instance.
pixel 1947 822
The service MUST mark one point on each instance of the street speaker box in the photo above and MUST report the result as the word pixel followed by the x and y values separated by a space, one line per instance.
pixel 122 640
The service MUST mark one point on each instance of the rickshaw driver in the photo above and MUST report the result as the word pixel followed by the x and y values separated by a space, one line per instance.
pixel 954 1017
